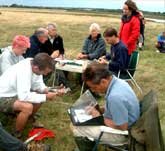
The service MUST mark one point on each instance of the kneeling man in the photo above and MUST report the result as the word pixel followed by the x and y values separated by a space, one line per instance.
pixel 22 88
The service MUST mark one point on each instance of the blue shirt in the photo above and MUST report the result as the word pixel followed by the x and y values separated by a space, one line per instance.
pixel 122 105
pixel 161 38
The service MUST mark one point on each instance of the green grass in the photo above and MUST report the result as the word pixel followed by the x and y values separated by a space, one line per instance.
pixel 73 26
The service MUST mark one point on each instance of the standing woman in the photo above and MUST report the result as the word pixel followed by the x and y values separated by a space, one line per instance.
pixel 130 26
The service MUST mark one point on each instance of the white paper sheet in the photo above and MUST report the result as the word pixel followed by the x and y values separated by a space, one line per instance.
pixel 82 116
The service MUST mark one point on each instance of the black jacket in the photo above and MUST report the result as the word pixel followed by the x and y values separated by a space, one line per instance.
pixel 48 47
pixel 34 49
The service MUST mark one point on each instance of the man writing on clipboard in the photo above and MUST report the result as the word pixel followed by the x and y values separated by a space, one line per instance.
pixel 120 111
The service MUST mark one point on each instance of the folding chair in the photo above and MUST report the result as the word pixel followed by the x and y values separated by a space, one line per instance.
pixel 128 74
pixel 145 134
pixel 116 147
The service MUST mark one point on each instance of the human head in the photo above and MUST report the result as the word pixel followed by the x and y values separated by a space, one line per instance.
pixel 129 8
pixel 20 44
pixel 110 35
pixel 94 30
pixel 97 77
pixel 42 64
pixel 141 15
pixel 52 29
pixel 163 33
pixel 41 34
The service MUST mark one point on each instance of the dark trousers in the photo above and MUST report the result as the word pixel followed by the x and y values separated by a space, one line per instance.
pixel 8 142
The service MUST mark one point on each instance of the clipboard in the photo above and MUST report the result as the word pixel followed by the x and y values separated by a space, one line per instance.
pixel 79 106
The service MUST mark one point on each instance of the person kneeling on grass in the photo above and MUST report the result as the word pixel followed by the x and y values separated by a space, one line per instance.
pixel 160 45
pixel 120 112
pixel 22 89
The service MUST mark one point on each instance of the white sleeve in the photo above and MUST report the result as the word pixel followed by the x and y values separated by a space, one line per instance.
pixel 38 83
pixel 24 86
pixel 5 63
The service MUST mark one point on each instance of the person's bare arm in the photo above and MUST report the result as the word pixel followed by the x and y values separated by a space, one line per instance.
pixel 110 123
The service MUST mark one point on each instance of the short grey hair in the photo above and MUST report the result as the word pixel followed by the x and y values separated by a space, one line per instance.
pixel 94 26
pixel 41 32
pixel 95 72
pixel 50 25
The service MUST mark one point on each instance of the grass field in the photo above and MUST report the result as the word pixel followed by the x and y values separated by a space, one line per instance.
pixel 73 26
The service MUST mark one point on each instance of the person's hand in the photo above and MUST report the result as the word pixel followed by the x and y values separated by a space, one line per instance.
pixel 61 57
pixel 91 110
pixel 103 61
pixel 61 91
pixel 102 57
pixel 55 54
pixel 51 95
pixel 79 56
pixel 82 56
pixel 45 91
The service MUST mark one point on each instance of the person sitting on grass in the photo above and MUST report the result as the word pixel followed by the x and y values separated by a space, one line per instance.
pixel 118 59
pixel 94 46
pixel 22 89
pixel 39 37
pixel 13 54
pixel 121 108
pixel 160 45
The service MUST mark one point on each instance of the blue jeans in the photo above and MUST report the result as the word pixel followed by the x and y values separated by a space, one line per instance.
pixel 8 142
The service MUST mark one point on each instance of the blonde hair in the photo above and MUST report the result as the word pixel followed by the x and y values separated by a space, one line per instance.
pixel 94 26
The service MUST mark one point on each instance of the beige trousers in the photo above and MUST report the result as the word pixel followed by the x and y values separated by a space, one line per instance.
pixel 93 132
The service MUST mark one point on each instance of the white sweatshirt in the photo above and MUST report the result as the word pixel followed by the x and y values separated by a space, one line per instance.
pixel 19 80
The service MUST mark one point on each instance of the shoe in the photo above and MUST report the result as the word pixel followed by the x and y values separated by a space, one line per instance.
pixel 17 134
pixel 32 119
pixel 38 125
pixel 157 51
pixel 38 146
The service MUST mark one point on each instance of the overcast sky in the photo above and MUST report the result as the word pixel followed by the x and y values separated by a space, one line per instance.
pixel 149 5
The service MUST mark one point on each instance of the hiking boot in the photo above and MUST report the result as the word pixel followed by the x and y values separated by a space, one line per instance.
pixel 38 147
pixel 84 144
pixel 17 134
pixel 37 125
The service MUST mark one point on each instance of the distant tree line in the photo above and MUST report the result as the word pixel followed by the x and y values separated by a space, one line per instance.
pixel 158 15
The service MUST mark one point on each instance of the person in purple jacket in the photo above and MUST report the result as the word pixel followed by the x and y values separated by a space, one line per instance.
pixel 118 58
